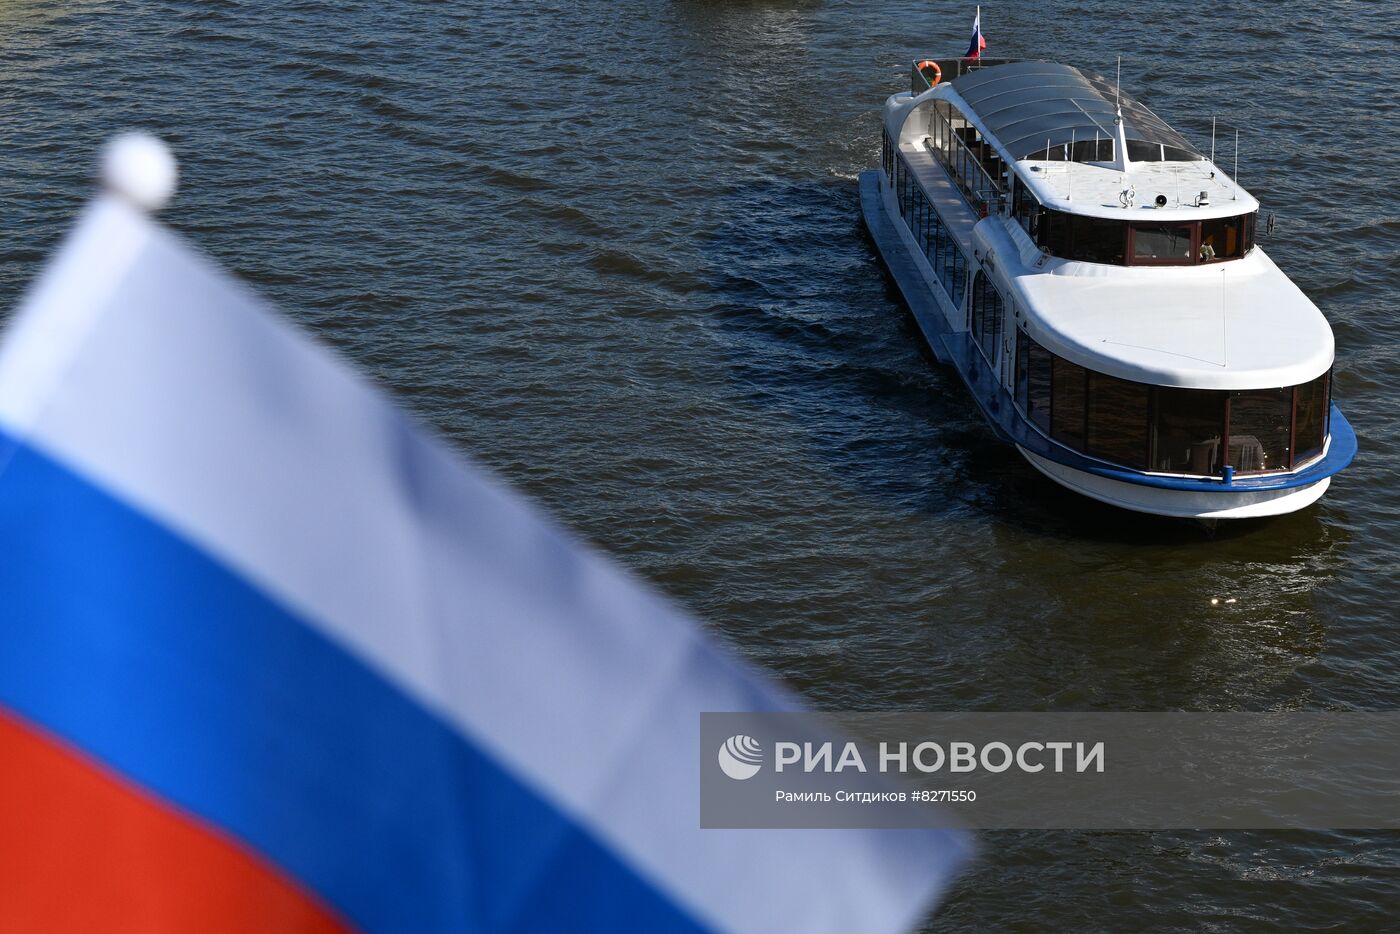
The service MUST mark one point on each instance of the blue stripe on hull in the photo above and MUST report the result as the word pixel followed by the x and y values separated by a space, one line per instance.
pixel 958 348
pixel 128 642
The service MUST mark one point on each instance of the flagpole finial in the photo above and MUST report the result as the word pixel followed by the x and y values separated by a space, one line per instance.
pixel 141 169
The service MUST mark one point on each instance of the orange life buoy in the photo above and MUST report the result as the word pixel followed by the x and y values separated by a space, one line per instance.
pixel 937 72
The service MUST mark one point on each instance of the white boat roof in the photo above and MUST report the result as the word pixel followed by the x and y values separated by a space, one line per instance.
pixel 1093 189
pixel 1241 324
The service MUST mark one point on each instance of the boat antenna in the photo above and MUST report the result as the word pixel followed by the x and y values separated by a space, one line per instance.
pixel 1212 139
pixel 1118 89
pixel 1236 176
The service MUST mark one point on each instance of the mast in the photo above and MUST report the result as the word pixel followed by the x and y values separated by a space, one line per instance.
pixel 1120 139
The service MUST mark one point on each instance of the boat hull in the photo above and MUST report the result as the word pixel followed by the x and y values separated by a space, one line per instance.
pixel 1184 504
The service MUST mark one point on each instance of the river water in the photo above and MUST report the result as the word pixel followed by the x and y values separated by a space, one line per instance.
pixel 613 250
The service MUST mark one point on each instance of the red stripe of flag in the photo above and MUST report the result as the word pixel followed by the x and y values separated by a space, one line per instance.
pixel 83 850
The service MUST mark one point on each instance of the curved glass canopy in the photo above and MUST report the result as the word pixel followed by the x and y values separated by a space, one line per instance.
pixel 1032 106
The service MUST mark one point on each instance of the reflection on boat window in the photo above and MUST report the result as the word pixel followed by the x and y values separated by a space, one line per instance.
pixel 1185 431
pixel 1225 237
pixel 1162 243
pixel 1074 236
pixel 1068 388
pixel 1117 420
pixel 1167 429
pixel 984 315
pixel 1260 422
pixel 1036 402
pixel 1310 422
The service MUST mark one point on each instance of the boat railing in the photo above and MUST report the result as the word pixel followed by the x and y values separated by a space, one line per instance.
pixel 920 80
pixel 982 191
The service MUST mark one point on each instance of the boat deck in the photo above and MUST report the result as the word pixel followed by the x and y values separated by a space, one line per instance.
pixel 942 192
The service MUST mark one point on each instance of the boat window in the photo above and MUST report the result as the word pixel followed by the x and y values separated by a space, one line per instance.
pixel 974 307
pixel 1223 238
pixel 944 265
pixel 1102 240
pixel 1185 430
pixel 959 276
pixel 926 224
pixel 984 315
pixel 1074 236
pixel 1096 240
pixel 1162 428
pixel 1055 233
pixel 1117 420
pixel 1024 205
pixel 1260 426
pixel 1310 422
pixel 917 226
pixel 1038 390
pixel 1162 243
pixel 1140 151
pixel 991 327
pixel 1092 150
pixel 1023 359
pixel 1067 402
pixel 936 236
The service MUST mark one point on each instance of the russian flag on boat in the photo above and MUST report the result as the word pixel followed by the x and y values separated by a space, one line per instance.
pixel 978 43
pixel 277 659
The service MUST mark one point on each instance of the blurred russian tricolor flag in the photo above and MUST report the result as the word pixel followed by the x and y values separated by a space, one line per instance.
pixel 272 658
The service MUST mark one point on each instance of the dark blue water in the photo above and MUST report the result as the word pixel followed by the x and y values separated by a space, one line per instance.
pixel 612 249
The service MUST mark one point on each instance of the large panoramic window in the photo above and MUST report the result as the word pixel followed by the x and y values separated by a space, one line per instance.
pixel 1224 238
pixel 1310 423
pixel 1166 429
pixel 1068 384
pixel 1096 240
pixel 1162 243
pixel 1186 429
pixel 1260 426
pixel 1038 380
pixel 1117 420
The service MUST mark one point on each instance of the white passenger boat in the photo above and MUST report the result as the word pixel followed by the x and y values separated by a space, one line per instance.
pixel 1094 279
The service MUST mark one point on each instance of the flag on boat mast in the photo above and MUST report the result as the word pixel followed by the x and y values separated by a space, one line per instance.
pixel 978 42
pixel 276 659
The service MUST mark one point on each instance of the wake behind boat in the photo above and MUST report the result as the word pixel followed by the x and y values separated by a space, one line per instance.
pixel 1095 280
